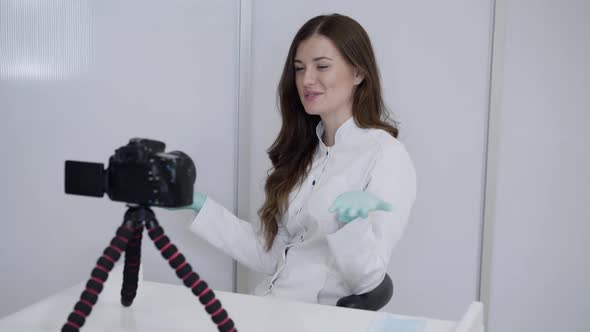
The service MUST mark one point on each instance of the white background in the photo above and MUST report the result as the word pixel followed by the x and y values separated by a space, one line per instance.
pixel 537 249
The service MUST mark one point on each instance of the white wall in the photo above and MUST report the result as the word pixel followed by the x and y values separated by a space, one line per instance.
pixel 104 72
pixel 537 248
pixel 434 61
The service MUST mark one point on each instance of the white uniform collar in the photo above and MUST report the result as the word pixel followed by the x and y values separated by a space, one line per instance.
pixel 342 132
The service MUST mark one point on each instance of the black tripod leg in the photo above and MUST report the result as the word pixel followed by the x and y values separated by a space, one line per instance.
pixel 99 275
pixel 190 278
pixel 131 268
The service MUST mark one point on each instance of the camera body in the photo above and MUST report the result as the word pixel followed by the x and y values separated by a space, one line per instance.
pixel 138 173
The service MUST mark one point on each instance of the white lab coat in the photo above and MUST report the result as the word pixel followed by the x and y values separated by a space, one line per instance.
pixel 315 258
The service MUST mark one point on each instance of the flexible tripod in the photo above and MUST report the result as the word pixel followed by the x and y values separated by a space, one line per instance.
pixel 128 239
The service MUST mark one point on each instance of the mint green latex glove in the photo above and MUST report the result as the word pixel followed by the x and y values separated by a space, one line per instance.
pixel 353 204
pixel 198 202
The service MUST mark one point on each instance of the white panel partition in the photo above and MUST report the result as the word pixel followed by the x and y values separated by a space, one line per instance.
pixel 536 267
pixel 78 79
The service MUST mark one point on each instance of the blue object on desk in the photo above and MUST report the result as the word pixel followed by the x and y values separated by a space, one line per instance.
pixel 389 323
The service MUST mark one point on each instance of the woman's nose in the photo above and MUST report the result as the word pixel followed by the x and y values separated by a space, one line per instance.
pixel 309 77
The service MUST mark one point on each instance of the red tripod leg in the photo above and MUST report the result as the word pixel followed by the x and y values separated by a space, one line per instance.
pixel 190 278
pixel 98 277
pixel 131 268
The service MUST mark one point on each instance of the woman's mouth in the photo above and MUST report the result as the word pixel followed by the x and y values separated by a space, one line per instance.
pixel 311 96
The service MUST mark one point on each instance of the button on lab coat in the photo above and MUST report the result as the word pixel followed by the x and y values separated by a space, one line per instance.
pixel 315 258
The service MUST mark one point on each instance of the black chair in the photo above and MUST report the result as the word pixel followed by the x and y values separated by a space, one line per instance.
pixel 373 300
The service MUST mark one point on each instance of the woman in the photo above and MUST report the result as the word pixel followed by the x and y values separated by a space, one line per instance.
pixel 336 158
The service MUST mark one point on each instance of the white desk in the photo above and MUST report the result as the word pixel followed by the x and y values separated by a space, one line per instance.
pixel 163 307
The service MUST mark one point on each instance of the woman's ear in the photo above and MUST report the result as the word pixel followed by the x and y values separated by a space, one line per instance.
pixel 358 77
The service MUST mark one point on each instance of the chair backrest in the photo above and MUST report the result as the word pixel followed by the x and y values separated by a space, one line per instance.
pixel 373 300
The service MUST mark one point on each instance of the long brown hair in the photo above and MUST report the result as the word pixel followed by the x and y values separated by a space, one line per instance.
pixel 292 151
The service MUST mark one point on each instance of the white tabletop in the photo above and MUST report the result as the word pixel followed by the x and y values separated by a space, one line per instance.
pixel 164 307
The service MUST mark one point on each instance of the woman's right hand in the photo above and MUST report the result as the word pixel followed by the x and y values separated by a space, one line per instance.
pixel 353 204
pixel 198 202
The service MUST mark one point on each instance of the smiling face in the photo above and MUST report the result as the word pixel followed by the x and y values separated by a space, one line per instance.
pixel 325 80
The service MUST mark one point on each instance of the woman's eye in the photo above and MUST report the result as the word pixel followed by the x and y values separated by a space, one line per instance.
pixel 322 67
pixel 298 68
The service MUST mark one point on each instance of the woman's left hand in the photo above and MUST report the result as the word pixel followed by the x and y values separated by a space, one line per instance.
pixel 354 204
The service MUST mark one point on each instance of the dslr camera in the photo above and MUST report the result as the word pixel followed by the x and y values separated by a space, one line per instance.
pixel 138 173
